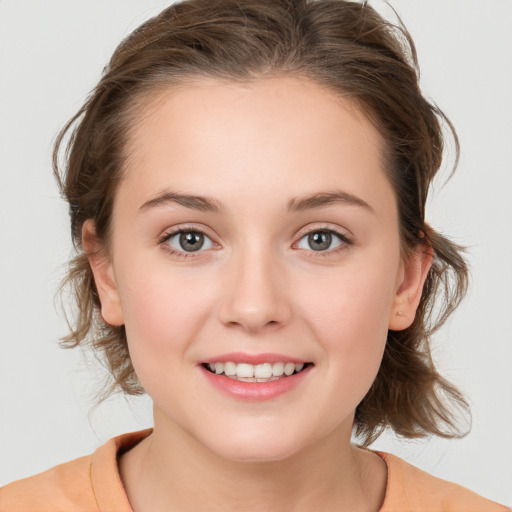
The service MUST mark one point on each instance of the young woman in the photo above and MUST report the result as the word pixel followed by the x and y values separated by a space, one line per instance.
pixel 247 188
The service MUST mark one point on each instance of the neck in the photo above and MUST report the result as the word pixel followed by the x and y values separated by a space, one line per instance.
pixel 171 470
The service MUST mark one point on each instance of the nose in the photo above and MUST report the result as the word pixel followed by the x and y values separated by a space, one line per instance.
pixel 256 294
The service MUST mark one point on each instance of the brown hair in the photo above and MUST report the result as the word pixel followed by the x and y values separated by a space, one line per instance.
pixel 344 46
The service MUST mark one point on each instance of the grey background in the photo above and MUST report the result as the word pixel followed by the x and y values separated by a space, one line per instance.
pixel 51 55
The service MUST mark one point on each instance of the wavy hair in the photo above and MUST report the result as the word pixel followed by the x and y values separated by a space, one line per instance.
pixel 344 46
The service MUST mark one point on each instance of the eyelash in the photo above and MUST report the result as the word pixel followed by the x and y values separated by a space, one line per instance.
pixel 345 241
pixel 174 252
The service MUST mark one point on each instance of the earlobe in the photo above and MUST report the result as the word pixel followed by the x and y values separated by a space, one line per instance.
pixel 104 278
pixel 413 273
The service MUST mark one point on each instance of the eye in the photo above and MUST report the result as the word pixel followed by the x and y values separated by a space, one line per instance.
pixel 322 240
pixel 188 241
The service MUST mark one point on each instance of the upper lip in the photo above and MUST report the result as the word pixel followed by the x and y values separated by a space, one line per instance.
pixel 242 357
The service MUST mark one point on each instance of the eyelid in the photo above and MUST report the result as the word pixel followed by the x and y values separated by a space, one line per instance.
pixel 170 240
pixel 344 235
pixel 170 232
pixel 182 254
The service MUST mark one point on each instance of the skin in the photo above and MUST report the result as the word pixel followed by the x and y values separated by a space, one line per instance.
pixel 257 287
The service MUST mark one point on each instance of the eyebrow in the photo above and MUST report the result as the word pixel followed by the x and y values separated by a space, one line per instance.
pixel 201 203
pixel 208 204
pixel 323 199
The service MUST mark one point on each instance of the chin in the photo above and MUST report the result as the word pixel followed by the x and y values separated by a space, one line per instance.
pixel 256 453
pixel 261 446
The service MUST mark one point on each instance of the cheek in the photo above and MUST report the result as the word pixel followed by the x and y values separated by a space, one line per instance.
pixel 350 304
pixel 349 313
pixel 164 316
pixel 164 311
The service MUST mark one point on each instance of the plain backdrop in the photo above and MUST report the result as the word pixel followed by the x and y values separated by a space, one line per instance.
pixel 51 55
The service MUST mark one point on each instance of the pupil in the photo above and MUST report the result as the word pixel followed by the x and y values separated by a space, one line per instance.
pixel 320 240
pixel 191 241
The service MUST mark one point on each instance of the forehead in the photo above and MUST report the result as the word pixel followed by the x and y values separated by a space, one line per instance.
pixel 271 135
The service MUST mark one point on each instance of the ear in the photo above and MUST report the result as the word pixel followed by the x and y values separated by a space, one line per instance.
pixel 103 272
pixel 411 278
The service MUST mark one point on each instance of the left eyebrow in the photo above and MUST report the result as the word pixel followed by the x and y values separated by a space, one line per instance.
pixel 323 199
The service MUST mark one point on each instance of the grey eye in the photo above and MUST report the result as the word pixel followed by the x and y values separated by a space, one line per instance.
pixel 190 241
pixel 320 241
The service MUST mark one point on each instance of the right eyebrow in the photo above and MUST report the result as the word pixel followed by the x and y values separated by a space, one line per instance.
pixel 201 203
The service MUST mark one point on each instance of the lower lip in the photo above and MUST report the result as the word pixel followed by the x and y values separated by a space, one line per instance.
pixel 255 391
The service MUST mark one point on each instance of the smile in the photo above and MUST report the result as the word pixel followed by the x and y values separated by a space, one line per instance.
pixel 255 377
pixel 265 372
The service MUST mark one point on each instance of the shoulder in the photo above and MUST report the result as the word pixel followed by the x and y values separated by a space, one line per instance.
pixel 57 489
pixel 87 484
pixel 410 488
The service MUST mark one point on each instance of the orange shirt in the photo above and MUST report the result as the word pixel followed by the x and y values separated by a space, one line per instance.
pixel 93 484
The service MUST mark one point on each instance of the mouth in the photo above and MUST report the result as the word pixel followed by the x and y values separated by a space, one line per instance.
pixel 264 372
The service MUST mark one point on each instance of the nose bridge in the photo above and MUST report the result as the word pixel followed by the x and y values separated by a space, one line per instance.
pixel 255 296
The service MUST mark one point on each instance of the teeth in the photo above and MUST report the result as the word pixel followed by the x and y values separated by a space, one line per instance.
pixel 263 371
pixel 230 368
pixel 244 370
pixel 278 369
pixel 289 368
pixel 255 373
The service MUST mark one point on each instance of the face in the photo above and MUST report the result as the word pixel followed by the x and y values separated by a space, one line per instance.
pixel 255 230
